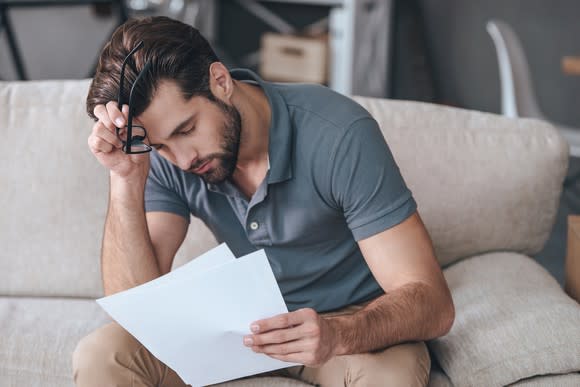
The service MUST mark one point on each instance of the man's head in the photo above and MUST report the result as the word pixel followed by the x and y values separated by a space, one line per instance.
pixel 175 93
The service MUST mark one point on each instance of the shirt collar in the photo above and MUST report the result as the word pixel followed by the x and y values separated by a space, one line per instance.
pixel 280 131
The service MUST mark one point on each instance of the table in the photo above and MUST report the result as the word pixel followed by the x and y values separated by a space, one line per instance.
pixel 571 65
pixel 6 24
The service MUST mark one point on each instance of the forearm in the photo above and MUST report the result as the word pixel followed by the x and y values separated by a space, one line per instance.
pixel 128 257
pixel 414 312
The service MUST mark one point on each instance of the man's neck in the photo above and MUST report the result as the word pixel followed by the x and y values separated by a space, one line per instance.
pixel 256 113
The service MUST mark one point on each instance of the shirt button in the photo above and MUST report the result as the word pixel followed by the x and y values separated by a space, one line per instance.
pixel 254 225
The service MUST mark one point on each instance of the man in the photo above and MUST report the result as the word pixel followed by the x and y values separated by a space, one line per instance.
pixel 298 170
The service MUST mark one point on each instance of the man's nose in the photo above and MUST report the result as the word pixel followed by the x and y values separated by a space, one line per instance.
pixel 184 159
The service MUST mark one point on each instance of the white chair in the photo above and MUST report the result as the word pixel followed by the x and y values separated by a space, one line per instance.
pixel 518 98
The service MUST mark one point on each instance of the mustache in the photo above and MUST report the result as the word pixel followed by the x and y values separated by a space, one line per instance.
pixel 206 159
pixel 199 163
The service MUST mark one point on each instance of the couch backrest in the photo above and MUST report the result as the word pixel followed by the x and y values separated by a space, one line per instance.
pixel 483 182
pixel 53 193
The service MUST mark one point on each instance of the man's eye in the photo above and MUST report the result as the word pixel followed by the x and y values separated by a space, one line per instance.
pixel 186 132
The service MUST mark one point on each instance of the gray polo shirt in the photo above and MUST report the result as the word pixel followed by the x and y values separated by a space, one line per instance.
pixel 332 182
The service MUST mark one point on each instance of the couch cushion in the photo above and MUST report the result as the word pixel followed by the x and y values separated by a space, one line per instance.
pixel 38 337
pixel 568 380
pixel 513 321
pixel 53 194
pixel 482 182
pixel 266 381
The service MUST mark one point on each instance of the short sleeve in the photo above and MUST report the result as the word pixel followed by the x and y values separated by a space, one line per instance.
pixel 160 192
pixel 366 182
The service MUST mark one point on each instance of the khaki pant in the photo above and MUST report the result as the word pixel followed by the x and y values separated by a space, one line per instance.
pixel 111 357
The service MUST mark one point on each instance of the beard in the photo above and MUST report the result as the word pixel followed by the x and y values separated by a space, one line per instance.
pixel 230 146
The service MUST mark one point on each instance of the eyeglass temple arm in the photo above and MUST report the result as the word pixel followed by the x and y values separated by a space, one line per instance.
pixel 122 75
pixel 130 116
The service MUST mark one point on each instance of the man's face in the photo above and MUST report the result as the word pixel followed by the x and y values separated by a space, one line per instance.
pixel 197 135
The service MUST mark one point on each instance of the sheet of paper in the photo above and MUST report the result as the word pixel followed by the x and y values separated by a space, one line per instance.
pixel 196 324
pixel 210 259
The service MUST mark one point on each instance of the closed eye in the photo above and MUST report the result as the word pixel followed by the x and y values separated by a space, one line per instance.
pixel 186 132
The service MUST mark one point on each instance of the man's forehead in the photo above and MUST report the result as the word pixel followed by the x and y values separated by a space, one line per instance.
pixel 167 100
pixel 168 111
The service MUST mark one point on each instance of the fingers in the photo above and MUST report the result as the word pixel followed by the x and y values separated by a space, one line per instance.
pixel 301 337
pixel 110 115
pixel 98 145
pixel 100 112
pixel 289 358
pixel 284 321
pixel 298 346
pixel 115 114
pixel 274 337
pixel 300 351
pixel 103 140
pixel 309 350
pixel 298 358
pixel 284 333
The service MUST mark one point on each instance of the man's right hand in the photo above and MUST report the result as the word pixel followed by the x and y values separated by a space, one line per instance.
pixel 107 148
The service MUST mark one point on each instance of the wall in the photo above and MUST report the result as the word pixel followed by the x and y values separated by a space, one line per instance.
pixel 56 42
pixel 464 60
pixel 63 42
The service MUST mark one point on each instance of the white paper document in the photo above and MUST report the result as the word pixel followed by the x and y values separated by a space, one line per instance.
pixel 194 318
pixel 213 258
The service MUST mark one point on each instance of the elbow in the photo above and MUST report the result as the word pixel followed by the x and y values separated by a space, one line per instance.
pixel 447 317
pixel 441 309
pixel 439 312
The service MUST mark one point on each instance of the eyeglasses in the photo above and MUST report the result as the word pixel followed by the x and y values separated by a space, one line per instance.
pixel 132 136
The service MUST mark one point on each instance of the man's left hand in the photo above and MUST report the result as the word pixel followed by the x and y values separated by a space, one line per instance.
pixel 300 337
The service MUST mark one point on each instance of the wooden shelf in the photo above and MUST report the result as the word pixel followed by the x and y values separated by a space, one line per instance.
pixel 571 65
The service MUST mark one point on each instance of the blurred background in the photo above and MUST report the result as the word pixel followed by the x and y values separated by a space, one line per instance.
pixel 436 51
pixel 430 50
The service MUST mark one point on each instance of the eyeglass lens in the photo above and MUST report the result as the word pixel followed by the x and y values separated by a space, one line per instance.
pixel 138 136
pixel 132 136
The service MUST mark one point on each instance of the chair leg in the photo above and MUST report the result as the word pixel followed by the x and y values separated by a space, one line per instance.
pixel 16 57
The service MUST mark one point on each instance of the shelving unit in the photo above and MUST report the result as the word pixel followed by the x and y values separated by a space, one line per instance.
pixel 359 35
pixel 360 40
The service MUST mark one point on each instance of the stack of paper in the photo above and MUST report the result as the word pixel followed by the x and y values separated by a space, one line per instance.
pixel 194 318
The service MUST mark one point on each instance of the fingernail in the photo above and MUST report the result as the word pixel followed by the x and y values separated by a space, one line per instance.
pixel 119 121
pixel 255 328
pixel 248 341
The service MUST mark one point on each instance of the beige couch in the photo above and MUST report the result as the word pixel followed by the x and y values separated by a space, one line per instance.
pixel 487 188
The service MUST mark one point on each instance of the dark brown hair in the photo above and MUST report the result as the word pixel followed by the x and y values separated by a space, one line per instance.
pixel 177 52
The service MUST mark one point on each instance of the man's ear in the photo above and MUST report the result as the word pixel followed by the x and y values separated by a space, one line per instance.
pixel 221 83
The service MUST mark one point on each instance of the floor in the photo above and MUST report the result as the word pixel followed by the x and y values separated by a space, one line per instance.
pixel 552 257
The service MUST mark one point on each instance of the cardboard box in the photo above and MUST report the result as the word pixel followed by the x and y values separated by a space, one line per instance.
pixel 573 258
pixel 288 58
